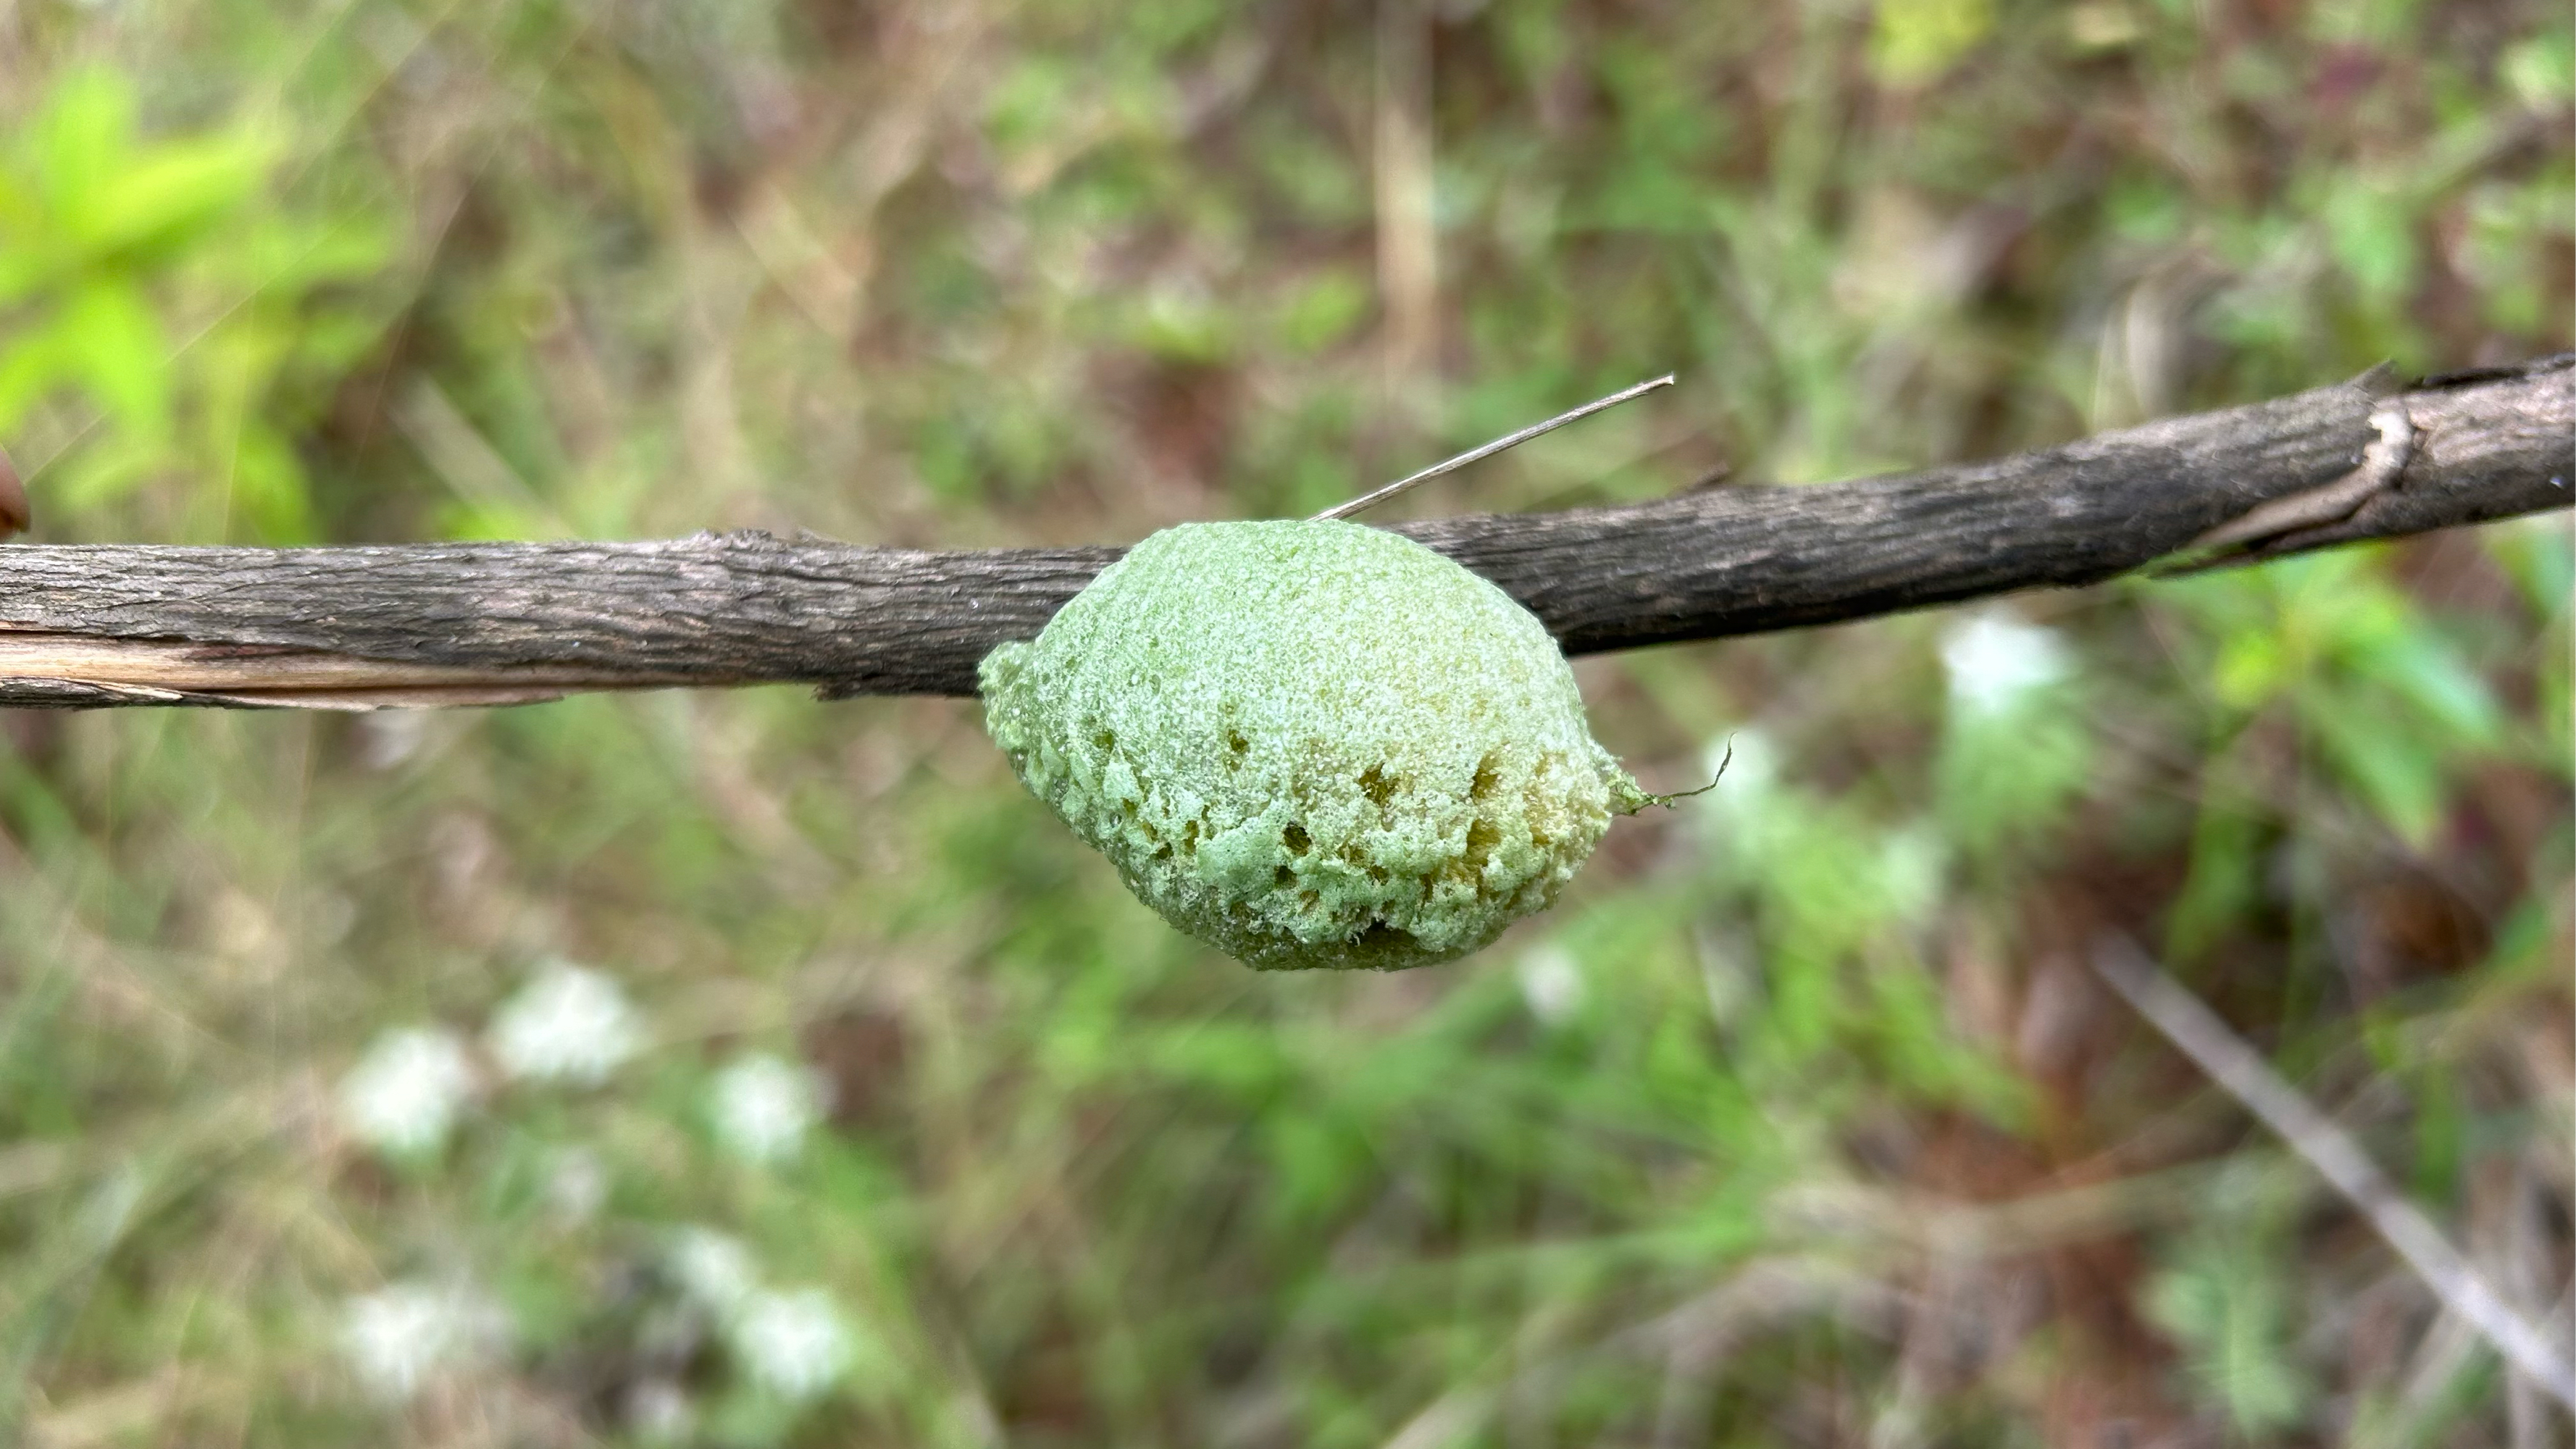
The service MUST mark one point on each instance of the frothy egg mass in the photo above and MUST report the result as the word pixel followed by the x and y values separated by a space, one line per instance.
pixel 1310 744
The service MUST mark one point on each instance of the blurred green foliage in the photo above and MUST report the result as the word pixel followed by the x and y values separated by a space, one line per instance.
pixel 110 244
pixel 1800 1123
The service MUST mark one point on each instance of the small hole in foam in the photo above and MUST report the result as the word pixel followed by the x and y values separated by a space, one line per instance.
pixel 1379 937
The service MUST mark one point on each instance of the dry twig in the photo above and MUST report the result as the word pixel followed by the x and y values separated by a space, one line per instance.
pixel 2200 1035
pixel 342 628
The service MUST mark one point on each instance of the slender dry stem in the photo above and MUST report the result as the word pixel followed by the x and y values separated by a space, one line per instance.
pixel 1502 444
pixel 2200 1035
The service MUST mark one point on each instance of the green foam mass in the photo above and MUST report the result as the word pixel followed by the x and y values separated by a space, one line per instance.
pixel 1310 744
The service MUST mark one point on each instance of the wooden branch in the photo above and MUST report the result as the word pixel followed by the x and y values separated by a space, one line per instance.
pixel 454 624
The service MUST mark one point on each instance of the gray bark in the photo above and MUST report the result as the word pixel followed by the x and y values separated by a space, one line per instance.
pixel 505 623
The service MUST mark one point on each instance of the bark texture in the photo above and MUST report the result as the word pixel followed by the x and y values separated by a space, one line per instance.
pixel 443 624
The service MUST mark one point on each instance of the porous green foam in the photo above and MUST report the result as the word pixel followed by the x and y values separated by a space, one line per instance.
pixel 1310 744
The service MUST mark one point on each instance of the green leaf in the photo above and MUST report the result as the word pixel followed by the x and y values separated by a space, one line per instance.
pixel 271 502
pixel 2012 776
pixel 2223 1298
pixel 1920 40
pixel 32 364
pixel 2221 885
pixel 2399 777
pixel 105 471
pixel 2250 670
pixel 2423 668
pixel 117 349
pixel 173 193
pixel 29 241
pixel 2367 230
pixel 1323 311
pixel 84 135
pixel 2541 71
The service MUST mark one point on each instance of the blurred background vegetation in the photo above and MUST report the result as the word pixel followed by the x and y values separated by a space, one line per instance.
pixel 743 1070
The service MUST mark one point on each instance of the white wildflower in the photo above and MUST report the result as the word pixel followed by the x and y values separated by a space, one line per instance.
pixel 389 737
pixel 764 1105
pixel 405 1094
pixel 1910 866
pixel 1551 983
pixel 1740 816
pixel 658 1411
pixel 714 1270
pixel 795 1345
pixel 1751 761
pixel 1996 660
pixel 1726 972
pixel 576 1185
pixel 569 1024
pixel 399 1335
